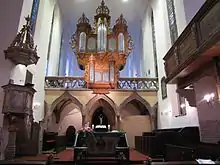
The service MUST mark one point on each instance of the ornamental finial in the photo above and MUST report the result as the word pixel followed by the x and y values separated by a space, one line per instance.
pixel 102 9
pixel 83 19
pixel 24 38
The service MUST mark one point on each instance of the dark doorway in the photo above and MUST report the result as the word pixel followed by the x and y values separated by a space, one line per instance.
pixel 99 118
pixel 70 136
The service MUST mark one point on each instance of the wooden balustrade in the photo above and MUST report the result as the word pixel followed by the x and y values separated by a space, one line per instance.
pixel 148 84
pixel 64 82
pixel 197 44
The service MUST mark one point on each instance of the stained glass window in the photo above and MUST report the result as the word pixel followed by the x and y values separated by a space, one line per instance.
pixel 154 43
pixel 34 13
pixel 60 54
pixel 172 21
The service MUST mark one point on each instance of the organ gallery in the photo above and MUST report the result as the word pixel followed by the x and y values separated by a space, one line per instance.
pixel 101 49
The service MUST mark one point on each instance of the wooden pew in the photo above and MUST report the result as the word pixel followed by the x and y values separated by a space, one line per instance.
pixel 197 151
pixel 153 143
pixel 23 162
pixel 179 153
pixel 49 140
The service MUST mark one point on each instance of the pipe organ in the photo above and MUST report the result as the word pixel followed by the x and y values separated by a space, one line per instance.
pixel 101 49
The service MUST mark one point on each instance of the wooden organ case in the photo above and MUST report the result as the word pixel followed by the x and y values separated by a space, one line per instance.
pixel 101 49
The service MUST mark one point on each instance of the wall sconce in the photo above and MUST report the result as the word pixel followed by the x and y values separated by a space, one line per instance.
pixel 209 97
pixel 183 106
pixel 36 105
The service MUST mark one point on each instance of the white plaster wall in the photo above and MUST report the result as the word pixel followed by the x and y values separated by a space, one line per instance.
pixel 41 38
pixel 148 61
pixel 55 43
pixel 70 116
pixel 131 118
pixel 9 17
pixel 169 107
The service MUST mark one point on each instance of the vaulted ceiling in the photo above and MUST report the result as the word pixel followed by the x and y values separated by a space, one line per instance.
pixel 73 9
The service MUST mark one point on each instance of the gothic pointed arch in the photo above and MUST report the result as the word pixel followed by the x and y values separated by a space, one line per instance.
pixel 137 97
pixel 110 108
pixel 65 99
pixel 101 97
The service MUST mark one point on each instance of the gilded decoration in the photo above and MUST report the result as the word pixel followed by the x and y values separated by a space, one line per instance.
pixel 101 49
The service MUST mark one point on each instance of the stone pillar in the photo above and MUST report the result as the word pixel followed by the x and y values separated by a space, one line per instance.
pixel 83 120
pixel 118 122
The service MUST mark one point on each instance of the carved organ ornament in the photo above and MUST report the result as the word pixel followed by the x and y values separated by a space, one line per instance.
pixel 22 50
pixel 101 50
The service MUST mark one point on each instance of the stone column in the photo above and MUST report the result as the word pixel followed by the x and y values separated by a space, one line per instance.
pixel 83 120
pixel 153 118
pixel 118 122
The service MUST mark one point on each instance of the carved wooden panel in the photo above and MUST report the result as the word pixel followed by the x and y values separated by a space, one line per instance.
pixel 14 102
pixel 198 40
pixel 18 99
pixel 210 23
pixel 171 64
pixel 187 47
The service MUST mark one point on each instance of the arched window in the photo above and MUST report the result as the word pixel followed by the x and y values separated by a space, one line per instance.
pixel 50 41
pixel 34 12
pixel 82 42
pixel 154 43
pixel 102 37
pixel 67 70
pixel 59 70
pixel 172 21
pixel 121 43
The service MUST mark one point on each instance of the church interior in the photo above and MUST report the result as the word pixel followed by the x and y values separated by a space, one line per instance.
pixel 110 82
